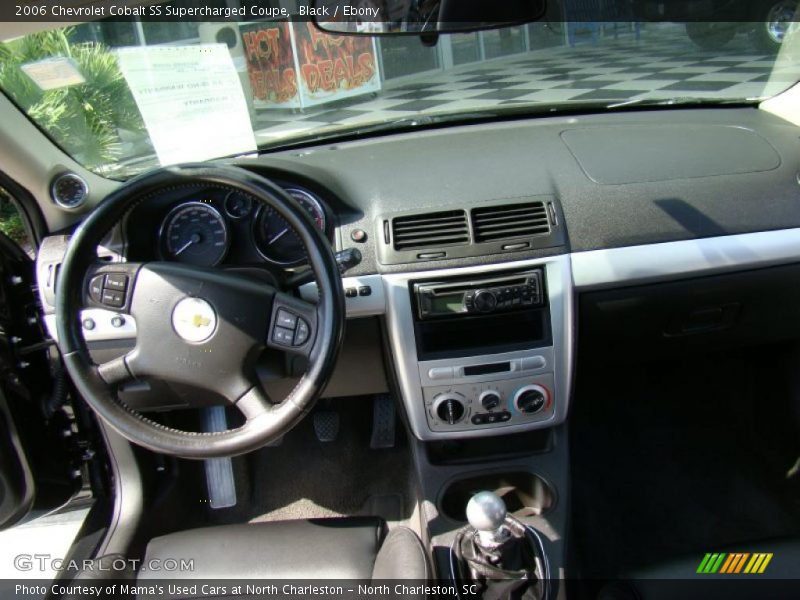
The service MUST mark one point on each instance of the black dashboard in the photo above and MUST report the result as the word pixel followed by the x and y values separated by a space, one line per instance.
pixel 609 181
pixel 613 201
pixel 668 175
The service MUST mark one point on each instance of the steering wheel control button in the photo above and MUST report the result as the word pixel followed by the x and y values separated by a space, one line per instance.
pixel 302 333
pixel 116 281
pixel 113 299
pixel 365 290
pixel 117 321
pixel 286 319
pixel 194 320
pixel 96 288
pixel 89 324
pixel 351 292
pixel 283 336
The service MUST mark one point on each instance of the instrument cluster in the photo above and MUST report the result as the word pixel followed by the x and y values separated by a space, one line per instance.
pixel 210 226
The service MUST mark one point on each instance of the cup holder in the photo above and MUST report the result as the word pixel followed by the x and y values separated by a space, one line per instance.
pixel 525 494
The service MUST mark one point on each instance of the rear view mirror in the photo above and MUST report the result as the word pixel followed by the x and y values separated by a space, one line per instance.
pixel 398 17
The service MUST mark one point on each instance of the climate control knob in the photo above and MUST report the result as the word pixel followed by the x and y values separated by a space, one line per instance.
pixel 490 399
pixel 449 407
pixel 484 301
pixel 530 399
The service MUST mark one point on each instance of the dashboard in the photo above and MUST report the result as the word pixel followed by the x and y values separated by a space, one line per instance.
pixel 597 202
pixel 209 226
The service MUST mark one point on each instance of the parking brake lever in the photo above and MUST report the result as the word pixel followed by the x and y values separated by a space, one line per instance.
pixel 346 259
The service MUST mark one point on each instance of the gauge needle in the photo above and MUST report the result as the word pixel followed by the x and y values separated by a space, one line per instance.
pixel 193 240
pixel 277 237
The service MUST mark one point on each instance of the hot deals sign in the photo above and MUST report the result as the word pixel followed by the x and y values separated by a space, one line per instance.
pixel 293 65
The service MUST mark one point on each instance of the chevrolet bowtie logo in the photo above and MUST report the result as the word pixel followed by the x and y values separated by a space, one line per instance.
pixel 200 321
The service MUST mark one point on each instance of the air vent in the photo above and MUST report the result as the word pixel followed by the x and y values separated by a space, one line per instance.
pixel 430 230
pixel 509 221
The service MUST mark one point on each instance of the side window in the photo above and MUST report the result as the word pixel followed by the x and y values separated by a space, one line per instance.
pixel 13 225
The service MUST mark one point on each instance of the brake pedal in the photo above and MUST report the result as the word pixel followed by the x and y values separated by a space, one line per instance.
pixel 219 471
pixel 383 422
pixel 326 425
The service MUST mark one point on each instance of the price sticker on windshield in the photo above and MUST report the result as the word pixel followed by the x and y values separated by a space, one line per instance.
pixel 191 101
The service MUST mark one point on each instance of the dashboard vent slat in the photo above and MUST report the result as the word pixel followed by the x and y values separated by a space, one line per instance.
pixel 509 221
pixel 434 229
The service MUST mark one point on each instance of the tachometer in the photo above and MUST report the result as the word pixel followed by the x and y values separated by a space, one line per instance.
pixel 276 240
pixel 194 233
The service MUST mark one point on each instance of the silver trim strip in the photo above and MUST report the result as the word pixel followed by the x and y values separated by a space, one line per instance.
pixel 687 258
pixel 103 329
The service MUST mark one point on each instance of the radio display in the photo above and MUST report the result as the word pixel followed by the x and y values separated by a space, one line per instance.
pixel 447 303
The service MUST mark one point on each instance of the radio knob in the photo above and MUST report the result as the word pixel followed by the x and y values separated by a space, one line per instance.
pixel 449 407
pixel 530 399
pixel 484 301
pixel 490 399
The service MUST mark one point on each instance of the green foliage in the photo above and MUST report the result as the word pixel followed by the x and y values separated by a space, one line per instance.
pixel 11 221
pixel 84 119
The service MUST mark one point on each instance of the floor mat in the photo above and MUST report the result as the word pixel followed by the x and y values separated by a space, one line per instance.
pixel 305 478
pixel 674 461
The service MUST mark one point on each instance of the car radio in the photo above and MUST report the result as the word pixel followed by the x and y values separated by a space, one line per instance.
pixel 481 296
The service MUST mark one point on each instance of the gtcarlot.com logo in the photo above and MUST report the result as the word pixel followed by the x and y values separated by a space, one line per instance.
pixel 735 563
pixel 46 562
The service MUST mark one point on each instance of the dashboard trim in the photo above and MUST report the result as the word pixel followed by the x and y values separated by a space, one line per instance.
pixel 687 258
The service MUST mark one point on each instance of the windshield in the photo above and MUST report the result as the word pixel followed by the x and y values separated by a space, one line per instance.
pixel 122 97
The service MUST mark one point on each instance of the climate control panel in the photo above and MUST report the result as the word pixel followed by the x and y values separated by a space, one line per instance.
pixel 465 406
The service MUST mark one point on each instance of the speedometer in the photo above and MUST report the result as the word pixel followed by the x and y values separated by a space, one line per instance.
pixel 194 233
pixel 276 240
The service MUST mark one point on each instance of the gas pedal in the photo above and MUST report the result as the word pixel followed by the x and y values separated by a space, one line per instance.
pixel 326 425
pixel 383 422
pixel 219 471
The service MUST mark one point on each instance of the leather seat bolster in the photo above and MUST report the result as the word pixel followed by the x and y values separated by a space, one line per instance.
pixel 402 556
pixel 313 549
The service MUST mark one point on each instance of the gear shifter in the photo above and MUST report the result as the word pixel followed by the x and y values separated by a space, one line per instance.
pixel 486 512
pixel 499 553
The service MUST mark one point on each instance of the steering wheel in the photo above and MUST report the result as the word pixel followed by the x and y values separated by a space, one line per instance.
pixel 200 326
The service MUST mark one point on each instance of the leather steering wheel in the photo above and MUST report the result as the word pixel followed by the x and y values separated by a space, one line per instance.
pixel 200 326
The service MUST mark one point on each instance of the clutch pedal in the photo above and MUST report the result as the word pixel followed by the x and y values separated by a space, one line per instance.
pixel 326 425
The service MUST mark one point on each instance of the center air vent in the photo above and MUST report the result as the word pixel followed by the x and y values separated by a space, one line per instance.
pixel 430 230
pixel 509 221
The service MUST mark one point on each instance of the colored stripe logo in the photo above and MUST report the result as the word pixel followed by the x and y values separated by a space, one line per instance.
pixel 734 563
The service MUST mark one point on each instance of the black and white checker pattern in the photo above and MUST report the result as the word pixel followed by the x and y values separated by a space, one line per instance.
pixel 663 63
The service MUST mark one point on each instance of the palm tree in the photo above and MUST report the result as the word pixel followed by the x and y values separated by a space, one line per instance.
pixel 84 119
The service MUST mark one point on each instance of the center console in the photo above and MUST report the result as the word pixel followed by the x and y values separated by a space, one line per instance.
pixel 483 350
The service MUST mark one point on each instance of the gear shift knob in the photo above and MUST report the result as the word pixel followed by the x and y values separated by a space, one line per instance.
pixel 486 512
